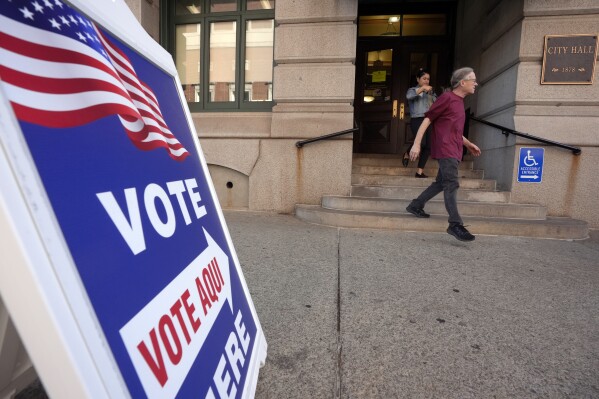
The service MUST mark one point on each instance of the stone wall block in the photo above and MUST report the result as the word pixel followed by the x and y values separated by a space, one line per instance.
pixel 303 120
pixel 501 55
pixel 534 31
pixel 316 42
pixel 314 82
pixel 232 124
pixel 560 7
pixel 472 12
pixel 501 19
pixel 498 93
pixel 316 10
pixel 470 57
pixel 571 130
pixel 237 154
pixel 561 110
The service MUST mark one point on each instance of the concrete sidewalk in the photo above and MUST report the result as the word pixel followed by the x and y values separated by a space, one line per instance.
pixel 356 313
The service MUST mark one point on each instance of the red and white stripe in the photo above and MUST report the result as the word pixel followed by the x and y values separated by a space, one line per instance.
pixel 56 81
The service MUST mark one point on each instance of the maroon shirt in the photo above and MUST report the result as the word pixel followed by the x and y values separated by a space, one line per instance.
pixel 447 118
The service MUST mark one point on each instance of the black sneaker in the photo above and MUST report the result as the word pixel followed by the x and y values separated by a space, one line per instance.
pixel 460 232
pixel 421 175
pixel 418 212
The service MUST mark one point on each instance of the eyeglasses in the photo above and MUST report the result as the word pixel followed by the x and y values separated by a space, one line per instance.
pixel 469 80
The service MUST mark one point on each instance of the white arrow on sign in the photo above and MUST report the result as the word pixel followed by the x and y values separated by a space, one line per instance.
pixel 529 177
pixel 148 325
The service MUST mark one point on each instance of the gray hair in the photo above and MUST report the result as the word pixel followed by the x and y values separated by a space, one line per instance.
pixel 458 75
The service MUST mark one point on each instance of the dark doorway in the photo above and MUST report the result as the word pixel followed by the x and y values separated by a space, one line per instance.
pixel 391 48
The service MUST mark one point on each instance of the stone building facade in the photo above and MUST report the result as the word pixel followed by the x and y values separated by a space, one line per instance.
pixel 255 164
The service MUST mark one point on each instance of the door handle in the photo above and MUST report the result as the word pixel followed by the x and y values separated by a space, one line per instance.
pixel 401 110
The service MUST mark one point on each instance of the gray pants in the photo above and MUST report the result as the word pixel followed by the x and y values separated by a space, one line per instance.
pixel 447 181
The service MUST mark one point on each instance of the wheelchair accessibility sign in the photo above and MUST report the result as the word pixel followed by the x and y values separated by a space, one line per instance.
pixel 530 169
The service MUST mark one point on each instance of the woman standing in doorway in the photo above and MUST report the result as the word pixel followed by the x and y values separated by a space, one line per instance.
pixel 420 98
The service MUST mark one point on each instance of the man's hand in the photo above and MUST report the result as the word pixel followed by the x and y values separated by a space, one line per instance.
pixel 473 148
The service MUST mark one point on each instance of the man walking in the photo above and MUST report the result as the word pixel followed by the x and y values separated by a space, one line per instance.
pixel 447 117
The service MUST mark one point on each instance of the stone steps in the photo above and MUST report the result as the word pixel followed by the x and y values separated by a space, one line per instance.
pixel 382 188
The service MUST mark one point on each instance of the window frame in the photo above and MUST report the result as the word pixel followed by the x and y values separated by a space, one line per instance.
pixel 168 23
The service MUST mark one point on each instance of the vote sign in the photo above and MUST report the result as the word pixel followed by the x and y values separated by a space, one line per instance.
pixel 111 141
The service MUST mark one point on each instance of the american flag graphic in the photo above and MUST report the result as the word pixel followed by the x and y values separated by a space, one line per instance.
pixel 59 70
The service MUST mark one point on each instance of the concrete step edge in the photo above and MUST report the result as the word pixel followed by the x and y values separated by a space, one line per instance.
pixel 406 172
pixel 373 186
pixel 409 192
pixel 436 207
pixel 467 157
pixel 464 181
pixel 552 228
pixel 397 162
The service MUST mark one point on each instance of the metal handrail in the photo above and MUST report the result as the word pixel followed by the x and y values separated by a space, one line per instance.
pixel 300 144
pixel 507 131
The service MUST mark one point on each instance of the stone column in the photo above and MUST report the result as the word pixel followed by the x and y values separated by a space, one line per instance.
pixel 313 87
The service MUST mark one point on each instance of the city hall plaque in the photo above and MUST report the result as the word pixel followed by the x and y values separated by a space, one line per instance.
pixel 569 59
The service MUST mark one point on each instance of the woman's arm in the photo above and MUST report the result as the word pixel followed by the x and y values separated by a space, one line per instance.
pixel 411 94
pixel 415 151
